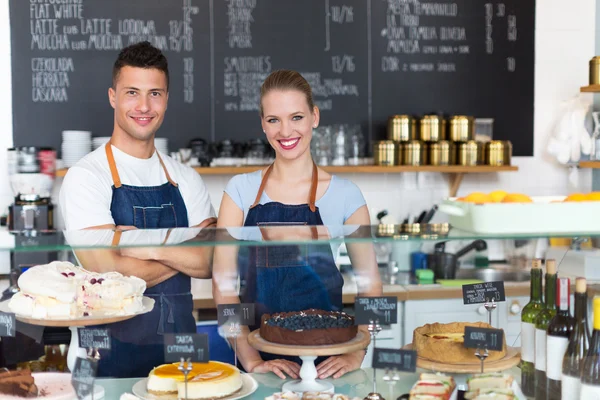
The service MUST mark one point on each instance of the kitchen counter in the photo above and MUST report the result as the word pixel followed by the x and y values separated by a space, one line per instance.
pixel 355 384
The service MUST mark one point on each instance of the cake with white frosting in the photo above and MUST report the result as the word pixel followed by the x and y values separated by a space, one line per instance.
pixel 61 290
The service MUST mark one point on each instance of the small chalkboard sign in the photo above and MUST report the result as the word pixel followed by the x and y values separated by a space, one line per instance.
pixel 186 345
pixel 91 338
pixel 381 309
pixel 483 338
pixel 483 292
pixel 36 332
pixel 83 376
pixel 8 324
pixel 401 360
pixel 242 314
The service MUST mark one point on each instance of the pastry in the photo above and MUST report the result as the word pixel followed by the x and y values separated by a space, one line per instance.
pixel 308 328
pixel 444 343
pixel 18 383
pixel 210 380
pixel 61 290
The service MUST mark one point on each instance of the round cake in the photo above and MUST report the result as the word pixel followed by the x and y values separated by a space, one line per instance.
pixel 210 380
pixel 444 343
pixel 308 328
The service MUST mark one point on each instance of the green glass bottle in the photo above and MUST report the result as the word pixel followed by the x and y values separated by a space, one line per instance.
pixel 541 326
pixel 528 317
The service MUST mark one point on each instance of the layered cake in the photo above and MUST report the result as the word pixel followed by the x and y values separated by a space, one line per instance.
pixel 308 328
pixel 444 343
pixel 18 383
pixel 61 290
pixel 210 380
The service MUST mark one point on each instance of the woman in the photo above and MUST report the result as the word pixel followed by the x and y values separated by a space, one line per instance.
pixel 292 191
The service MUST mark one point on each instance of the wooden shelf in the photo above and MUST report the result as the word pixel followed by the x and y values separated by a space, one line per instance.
pixel 455 172
pixel 590 89
pixel 589 164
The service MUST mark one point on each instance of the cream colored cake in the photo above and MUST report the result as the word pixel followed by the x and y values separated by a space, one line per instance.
pixel 210 380
pixel 61 290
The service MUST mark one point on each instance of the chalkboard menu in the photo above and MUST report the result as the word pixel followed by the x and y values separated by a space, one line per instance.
pixel 365 59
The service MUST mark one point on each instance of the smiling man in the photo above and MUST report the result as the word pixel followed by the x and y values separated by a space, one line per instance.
pixel 128 184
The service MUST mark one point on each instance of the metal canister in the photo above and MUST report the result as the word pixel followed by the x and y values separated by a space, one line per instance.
pixel 414 153
pixel 595 71
pixel 384 153
pixel 494 153
pixel 461 128
pixel 507 152
pixel 480 152
pixel 441 153
pixel 467 153
pixel 402 128
pixel 432 128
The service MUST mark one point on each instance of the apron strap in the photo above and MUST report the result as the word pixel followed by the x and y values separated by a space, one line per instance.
pixel 111 164
pixel 115 174
pixel 312 198
pixel 116 238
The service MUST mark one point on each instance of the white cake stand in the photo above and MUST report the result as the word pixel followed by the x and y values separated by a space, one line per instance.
pixel 308 355
pixel 74 349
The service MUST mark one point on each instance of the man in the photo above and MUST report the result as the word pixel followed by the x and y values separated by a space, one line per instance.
pixel 127 184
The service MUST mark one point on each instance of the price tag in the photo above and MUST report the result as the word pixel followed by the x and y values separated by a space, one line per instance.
pixel 484 338
pixel 236 313
pixel 483 292
pixel 384 309
pixel 94 338
pixel 192 345
pixel 83 376
pixel 401 360
pixel 8 324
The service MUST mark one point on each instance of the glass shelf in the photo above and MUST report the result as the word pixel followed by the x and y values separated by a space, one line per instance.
pixel 44 241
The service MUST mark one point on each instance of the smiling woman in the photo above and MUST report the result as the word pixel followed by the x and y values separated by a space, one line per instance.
pixel 292 191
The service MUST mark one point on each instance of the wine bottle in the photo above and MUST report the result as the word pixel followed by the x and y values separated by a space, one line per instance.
pixel 559 331
pixel 590 372
pixel 578 345
pixel 528 316
pixel 541 325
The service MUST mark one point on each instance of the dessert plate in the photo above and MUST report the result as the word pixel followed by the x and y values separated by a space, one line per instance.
pixel 249 386
pixel 57 386
pixel 147 304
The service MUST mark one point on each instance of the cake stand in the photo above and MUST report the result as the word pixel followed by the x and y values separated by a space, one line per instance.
pixel 308 355
pixel 74 349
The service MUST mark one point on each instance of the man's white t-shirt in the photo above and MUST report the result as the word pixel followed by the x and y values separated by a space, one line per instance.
pixel 86 193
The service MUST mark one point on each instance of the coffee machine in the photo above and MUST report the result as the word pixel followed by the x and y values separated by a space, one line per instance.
pixel 31 171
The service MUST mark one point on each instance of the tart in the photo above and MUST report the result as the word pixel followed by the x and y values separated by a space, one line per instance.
pixel 444 343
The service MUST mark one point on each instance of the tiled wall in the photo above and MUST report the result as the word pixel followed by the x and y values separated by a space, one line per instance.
pixel 565 42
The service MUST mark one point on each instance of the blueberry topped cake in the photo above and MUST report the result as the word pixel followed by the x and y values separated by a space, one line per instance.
pixel 308 328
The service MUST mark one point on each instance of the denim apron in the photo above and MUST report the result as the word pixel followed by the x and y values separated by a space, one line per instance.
pixel 137 343
pixel 289 277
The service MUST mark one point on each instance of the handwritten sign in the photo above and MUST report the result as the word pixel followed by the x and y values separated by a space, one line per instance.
pixel 483 292
pixel 483 338
pixel 181 345
pixel 401 360
pixel 242 314
pixel 94 338
pixel 8 324
pixel 83 376
pixel 383 309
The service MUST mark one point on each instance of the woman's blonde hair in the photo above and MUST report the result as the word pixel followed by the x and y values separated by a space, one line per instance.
pixel 284 79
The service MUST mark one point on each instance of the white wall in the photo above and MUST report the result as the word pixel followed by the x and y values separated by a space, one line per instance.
pixel 565 42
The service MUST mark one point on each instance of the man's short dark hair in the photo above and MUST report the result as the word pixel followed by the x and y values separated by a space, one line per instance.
pixel 140 55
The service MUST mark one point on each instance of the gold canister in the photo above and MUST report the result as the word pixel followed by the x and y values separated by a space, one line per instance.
pixel 384 153
pixel 461 128
pixel 402 128
pixel 507 152
pixel 414 153
pixel 595 71
pixel 468 153
pixel 480 152
pixel 441 153
pixel 432 128
pixel 494 153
